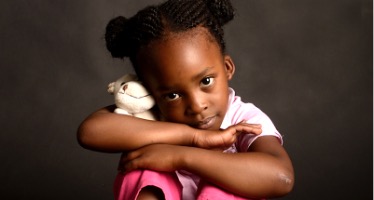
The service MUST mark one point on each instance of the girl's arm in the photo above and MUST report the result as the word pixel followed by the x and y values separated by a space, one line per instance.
pixel 106 131
pixel 264 171
pixel 110 132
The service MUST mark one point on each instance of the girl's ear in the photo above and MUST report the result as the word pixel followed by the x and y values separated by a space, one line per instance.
pixel 229 67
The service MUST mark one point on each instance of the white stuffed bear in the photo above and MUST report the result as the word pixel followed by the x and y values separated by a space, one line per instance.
pixel 131 97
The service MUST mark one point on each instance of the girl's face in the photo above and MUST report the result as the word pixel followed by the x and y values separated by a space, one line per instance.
pixel 188 76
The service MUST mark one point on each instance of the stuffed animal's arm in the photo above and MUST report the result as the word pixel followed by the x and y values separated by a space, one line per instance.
pixel 121 111
pixel 111 87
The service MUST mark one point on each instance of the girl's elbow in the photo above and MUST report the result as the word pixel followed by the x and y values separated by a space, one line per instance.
pixel 85 135
pixel 286 183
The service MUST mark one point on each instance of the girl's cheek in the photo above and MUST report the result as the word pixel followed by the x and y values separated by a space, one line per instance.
pixel 172 115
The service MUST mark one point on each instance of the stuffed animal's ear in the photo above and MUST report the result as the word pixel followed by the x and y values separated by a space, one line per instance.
pixel 111 88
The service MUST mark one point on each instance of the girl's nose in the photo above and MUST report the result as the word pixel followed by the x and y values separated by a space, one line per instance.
pixel 197 104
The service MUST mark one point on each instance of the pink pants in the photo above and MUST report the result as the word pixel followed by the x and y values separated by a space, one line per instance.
pixel 128 186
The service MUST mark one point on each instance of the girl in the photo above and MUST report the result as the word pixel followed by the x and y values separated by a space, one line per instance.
pixel 208 144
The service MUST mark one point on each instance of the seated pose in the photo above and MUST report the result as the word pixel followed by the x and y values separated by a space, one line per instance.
pixel 207 143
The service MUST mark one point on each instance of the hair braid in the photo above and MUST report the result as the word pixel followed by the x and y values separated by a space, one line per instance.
pixel 124 36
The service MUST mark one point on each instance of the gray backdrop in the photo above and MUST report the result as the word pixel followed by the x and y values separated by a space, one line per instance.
pixel 306 63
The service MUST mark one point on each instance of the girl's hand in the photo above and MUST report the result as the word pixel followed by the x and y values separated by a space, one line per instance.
pixel 224 138
pixel 158 157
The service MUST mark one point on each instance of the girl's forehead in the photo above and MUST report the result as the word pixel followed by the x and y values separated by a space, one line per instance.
pixel 177 58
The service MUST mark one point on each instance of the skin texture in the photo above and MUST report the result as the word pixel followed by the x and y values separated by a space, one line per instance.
pixel 188 76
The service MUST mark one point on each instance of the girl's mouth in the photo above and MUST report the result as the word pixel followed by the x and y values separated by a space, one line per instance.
pixel 206 123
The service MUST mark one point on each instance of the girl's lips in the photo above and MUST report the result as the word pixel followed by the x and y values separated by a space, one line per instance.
pixel 206 123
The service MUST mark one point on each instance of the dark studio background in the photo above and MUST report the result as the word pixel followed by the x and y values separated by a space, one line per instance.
pixel 306 63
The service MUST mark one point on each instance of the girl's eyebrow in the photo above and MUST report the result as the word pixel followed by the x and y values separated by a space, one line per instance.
pixel 201 74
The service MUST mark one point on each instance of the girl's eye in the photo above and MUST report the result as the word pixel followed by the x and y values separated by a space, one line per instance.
pixel 172 96
pixel 207 81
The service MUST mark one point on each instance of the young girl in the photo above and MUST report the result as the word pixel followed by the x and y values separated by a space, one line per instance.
pixel 208 144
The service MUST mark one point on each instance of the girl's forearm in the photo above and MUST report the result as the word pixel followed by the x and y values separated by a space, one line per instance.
pixel 109 132
pixel 251 174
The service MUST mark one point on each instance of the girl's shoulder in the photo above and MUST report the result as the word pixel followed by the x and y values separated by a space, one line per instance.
pixel 238 110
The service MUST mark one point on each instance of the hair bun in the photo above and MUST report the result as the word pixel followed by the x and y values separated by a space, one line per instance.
pixel 115 37
pixel 222 10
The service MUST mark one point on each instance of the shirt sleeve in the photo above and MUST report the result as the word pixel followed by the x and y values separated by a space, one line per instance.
pixel 254 115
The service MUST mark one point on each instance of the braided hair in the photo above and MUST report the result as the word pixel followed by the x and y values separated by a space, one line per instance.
pixel 124 37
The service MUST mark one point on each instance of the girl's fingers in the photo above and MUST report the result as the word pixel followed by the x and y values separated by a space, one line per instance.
pixel 125 159
pixel 257 131
pixel 248 124
pixel 249 128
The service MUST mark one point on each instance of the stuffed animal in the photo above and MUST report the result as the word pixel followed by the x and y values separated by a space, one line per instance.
pixel 131 97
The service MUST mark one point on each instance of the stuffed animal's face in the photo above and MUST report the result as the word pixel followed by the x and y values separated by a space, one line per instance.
pixel 131 95
pixel 134 98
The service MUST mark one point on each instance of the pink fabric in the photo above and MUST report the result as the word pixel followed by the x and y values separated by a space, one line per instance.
pixel 128 186
pixel 210 192
pixel 190 183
